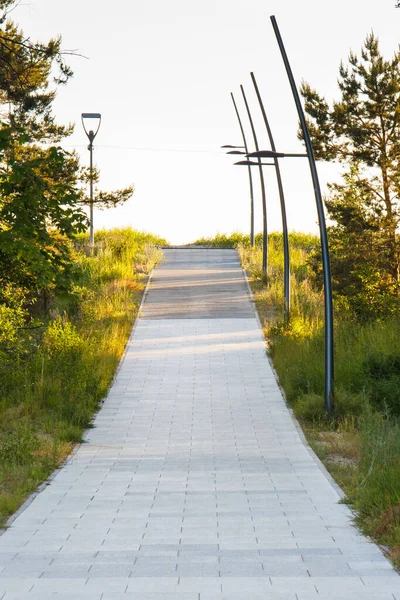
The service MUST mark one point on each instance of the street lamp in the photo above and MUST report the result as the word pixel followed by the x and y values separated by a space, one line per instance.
pixel 328 302
pixel 272 154
pixel 251 163
pixel 244 151
pixel 285 233
pixel 91 135
pixel 230 146
pixel 264 203
pixel 249 170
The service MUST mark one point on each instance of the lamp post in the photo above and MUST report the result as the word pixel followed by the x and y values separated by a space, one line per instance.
pixel 328 302
pixel 262 183
pixel 250 176
pixel 244 151
pixel 285 234
pixel 91 135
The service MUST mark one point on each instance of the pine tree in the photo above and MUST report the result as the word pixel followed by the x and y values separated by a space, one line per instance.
pixel 42 187
pixel 362 131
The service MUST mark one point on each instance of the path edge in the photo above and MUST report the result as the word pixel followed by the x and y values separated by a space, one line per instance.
pixel 297 425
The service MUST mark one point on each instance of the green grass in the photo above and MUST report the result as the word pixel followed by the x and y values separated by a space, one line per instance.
pixel 54 375
pixel 225 241
pixel 307 305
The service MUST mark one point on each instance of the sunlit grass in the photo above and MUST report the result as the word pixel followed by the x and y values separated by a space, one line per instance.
pixel 51 391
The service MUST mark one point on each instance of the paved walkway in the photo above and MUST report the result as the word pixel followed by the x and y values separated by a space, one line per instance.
pixel 195 483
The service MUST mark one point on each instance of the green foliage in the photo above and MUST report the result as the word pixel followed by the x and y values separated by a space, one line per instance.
pixel 382 372
pixel 18 448
pixel 102 200
pixel 366 360
pixel 298 240
pixel 306 301
pixel 41 185
pixel 26 70
pixel 37 216
pixel 310 407
pixel 376 497
pixel 54 371
pixel 362 130
pixel 362 126
pixel 362 278
pixel 62 339
pixel 221 240
pixel 366 354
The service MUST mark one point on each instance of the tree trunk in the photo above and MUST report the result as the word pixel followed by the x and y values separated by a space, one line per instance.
pixel 393 266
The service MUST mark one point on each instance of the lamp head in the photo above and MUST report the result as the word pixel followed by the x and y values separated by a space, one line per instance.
pixel 248 163
pixel 265 154
pixel 91 133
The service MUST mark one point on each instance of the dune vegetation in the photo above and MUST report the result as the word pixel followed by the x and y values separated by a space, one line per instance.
pixel 58 357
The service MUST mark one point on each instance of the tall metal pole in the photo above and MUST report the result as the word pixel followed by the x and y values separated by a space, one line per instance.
pixel 328 303
pixel 286 251
pixel 91 135
pixel 250 176
pixel 91 138
pixel 264 203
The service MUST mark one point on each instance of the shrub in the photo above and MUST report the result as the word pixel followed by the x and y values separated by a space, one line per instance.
pixel 383 380
pixel 310 407
pixel 18 447
pixel 62 339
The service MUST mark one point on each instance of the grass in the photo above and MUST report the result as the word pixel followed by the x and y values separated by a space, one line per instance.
pixel 55 374
pixel 360 446
pixel 225 241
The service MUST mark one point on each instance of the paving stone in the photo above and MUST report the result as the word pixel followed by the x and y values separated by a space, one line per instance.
pixel 53 595
pixel 194 483
pixel 152 596
pixel 266 594
pixel 107 584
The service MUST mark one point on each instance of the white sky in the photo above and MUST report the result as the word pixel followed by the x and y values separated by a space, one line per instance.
pixel 161 71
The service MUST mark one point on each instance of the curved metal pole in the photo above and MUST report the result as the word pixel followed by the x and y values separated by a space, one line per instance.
pixel 250 176
pixel 286 251
pixel 329 349
pixel 264 203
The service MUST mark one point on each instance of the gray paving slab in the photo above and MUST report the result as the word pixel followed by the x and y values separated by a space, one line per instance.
pixel 194 482
pixel 193 283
